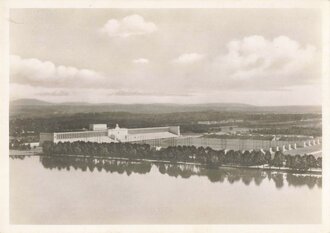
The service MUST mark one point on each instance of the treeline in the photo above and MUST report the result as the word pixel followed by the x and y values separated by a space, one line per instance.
pixel 185 171
pixel 192 154
pixel 18 145
pixel 294 130
pixel 21 157
pixel 187 120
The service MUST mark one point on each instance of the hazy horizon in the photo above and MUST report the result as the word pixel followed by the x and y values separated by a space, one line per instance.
pixel 262 57
pixel 165 103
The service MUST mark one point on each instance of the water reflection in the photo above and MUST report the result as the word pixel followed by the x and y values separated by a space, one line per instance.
pixel 230 175
pixel 20 157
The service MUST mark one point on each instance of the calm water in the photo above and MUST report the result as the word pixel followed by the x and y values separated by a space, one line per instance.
pixel 85 191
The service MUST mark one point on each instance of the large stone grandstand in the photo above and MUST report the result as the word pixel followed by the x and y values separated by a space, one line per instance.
pixel 100 133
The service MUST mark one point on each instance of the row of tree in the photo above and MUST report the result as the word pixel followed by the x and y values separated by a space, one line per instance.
pixel 50 120
pixel 192 154
pixel 18 145
pixel 293 130
pixel 178 170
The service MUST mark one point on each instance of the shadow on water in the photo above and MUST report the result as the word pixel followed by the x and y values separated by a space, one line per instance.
pixel 21 157
pixel 230 175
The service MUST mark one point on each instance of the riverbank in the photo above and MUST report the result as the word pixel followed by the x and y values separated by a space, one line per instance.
pixel 14 153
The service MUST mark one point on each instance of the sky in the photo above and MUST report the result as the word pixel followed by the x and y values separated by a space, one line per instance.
pixel 253 56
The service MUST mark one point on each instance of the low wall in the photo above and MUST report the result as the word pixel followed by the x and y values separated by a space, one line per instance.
pixel 221 144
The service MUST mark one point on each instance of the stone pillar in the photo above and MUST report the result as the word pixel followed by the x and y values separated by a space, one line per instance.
pixel 283 148
pixel 295 146
pixel 289 147
pixel 277 148
pixel 309 143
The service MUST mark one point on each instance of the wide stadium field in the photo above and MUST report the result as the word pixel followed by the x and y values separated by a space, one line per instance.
pixel 315 150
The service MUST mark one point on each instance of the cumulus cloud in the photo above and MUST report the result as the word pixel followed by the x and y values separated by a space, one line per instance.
pixel 45 73
pixel 250 63
pixel 258 60
pixel 128 26
pixel 188 58
pixel 141 61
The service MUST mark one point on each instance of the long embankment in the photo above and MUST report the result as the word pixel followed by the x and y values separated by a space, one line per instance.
pixel 215 160
pixel 266 167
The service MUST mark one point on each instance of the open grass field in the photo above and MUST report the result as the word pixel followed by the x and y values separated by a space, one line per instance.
pixel 315 150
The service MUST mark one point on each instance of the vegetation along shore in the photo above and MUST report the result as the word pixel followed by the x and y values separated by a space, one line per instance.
pixel 186 154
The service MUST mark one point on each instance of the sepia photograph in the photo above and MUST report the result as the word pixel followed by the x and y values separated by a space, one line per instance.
pixel 166 116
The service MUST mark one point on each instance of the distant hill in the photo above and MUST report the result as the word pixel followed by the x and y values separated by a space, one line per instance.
pixel 29 102
pixel 34 107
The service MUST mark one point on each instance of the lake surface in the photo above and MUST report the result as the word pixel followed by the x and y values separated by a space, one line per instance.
pixel 46 190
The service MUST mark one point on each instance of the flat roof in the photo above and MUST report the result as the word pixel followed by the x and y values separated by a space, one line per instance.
pixel 130 130
pixel 78 131
pixel 149 130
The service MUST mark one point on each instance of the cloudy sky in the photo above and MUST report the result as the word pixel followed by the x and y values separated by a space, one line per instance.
pixel 254 56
